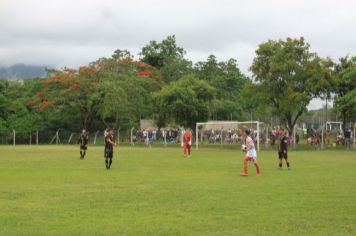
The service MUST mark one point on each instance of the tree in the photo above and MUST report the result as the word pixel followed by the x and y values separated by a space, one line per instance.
pixel 167 57
pixel 252 106
pixel 228 81
pixel 127 86
pixel 5 104
pixel 347 106
pixel 287 77
pixel 115 111
pixel 184 102
pixel 121 55
pixel 69 95
pixel 14 114
pixel 345 89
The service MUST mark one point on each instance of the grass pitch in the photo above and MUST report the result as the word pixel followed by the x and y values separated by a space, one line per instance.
pixel 48 190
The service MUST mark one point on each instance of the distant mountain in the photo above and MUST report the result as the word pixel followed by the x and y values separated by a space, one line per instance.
pixel 21 71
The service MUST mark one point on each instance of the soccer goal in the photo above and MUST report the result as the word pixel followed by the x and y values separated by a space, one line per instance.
pixel 335 129
pixel 229 132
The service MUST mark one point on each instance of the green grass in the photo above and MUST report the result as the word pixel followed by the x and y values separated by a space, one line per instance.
pixel 47 190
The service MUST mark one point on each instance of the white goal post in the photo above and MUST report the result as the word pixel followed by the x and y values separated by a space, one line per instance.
pixel 328 126
pixel 221 125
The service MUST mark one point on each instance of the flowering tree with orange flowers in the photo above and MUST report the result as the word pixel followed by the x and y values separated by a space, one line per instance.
pixel 114 91
pixel 69 93
pixel 127 87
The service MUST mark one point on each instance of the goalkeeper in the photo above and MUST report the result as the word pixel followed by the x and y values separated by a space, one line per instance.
pixel 187 142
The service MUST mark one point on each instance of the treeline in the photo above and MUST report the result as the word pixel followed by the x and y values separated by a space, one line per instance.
pixel 165 86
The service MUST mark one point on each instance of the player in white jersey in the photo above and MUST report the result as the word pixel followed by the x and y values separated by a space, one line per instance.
pixel 251 154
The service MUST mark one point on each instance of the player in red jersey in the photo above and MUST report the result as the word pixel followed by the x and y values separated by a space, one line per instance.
pixel 187 142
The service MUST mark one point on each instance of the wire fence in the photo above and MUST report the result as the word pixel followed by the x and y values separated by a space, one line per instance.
pixel 133 137
pixel 168 137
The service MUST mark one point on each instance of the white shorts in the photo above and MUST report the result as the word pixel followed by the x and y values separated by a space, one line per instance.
pixel 252 153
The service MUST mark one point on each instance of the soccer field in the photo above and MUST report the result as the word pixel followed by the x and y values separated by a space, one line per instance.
pixel 48 190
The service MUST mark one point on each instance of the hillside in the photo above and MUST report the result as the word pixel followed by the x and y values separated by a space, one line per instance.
pixel 21 71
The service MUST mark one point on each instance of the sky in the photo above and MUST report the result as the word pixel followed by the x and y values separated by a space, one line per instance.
pixel 72 33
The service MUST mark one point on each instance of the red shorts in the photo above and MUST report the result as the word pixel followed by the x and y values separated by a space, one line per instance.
pixel 249 159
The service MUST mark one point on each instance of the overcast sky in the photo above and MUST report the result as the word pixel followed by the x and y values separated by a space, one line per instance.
pixel 75 32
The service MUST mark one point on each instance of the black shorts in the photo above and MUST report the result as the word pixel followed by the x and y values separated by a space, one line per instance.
pixel 108 154
pixel 282 155
pixel 83 147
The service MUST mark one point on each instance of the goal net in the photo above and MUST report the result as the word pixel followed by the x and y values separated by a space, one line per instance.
pixel 229 133
pixel 332 131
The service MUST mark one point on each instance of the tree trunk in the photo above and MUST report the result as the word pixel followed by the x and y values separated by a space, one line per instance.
pixel 344 120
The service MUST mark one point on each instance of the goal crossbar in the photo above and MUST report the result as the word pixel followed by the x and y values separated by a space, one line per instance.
pixel 258 123
pixel 325 126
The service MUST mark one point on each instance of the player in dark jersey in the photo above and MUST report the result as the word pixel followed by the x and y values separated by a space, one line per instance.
pixel 282 149
pixel 109 148
pixel 83 141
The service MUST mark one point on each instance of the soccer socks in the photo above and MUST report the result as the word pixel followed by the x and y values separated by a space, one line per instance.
pixel 107 163
pixel 257 169
pixel 110 162
pixel 280 165
pixel 245 168
pixel 82 154
pixel 245 173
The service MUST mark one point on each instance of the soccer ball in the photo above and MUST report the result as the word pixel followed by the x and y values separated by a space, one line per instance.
pixel 243 147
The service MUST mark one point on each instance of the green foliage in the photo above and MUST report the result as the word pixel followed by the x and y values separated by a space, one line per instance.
pixel 168 58
pixel 126 101
pixel 163 85
pixel 160 54
pixel 345 89
pixel 287 77
pixel 185 102
pixel 229 83
pixel 13 111
pixel 121 54
pixel 347 105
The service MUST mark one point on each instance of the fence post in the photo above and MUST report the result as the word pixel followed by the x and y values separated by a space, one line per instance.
pixel 181 136
pixel 96 134
pixel 294 137
pixel 354 136
pixel 118 136
pixel 258 136
pixel 196 136
pixel 70 137
pixel 164 137
pixel 14 137
pixel 147 134
pixel 322 137
pixel 266 141
pixel 131 138
pixel 36 137
pixel 57 137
